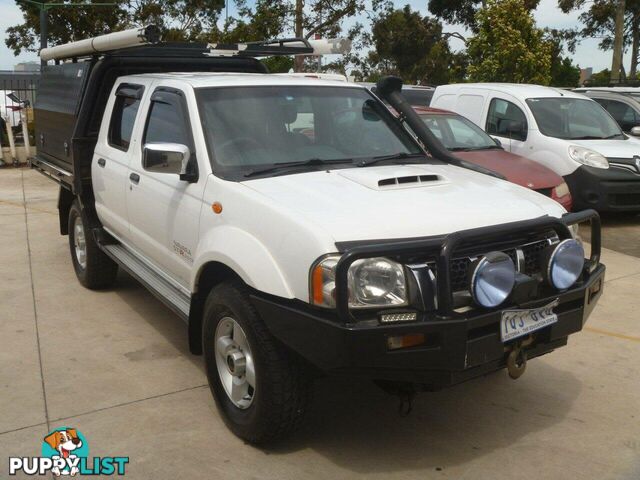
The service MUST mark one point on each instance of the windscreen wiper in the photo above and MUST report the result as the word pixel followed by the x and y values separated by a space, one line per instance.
pixel 592 137
pixel 282 167
pixel 401 156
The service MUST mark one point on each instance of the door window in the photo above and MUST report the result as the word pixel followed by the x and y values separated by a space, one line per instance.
pixel 626 116
pixel 123 116
pixel 167 122
pixel 505 119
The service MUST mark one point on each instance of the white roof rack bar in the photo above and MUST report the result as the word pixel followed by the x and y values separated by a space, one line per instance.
pixel 103 43
pixel 288 46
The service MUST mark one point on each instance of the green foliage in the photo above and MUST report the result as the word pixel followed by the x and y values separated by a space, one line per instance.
pixel 465 11
pixel 564 73
pixel 600 79
pixel 508 47
pixel 180 20
pixel 412 47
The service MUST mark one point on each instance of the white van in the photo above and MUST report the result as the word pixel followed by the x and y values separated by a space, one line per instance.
pixel 565 131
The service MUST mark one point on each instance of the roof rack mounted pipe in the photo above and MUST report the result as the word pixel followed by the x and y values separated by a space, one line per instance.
pixel 103 43
pixel 283 46
pixel 389 88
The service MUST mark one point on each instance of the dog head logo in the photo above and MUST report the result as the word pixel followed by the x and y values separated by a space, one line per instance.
pixel 68 445
pixel 64 441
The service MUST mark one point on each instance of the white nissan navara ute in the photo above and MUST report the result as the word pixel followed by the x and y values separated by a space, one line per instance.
pixel 299 228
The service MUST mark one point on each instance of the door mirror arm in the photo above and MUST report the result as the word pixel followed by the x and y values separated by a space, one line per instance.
pixel 189 171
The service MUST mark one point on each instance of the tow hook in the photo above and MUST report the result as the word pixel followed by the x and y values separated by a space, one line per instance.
pixel 517 358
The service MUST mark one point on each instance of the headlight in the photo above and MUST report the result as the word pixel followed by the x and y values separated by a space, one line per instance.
pixel 565 263
pixel 492 278
pixel 588 157
pixel 562 190
pixel 372 282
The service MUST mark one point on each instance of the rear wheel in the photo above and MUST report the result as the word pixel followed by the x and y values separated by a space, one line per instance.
pixel 260 389
pixel 93 267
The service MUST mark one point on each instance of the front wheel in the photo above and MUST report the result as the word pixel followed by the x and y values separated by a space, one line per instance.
pixel 93 267
pixel 260 389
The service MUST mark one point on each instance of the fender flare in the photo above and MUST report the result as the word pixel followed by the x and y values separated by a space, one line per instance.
pixel 246 256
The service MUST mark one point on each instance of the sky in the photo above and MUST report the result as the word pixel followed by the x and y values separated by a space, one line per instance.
pixel 547 15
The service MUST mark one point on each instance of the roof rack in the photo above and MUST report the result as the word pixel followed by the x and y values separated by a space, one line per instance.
pixel 144 38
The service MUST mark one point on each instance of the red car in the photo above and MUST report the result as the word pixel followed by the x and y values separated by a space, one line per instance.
pixel 471 143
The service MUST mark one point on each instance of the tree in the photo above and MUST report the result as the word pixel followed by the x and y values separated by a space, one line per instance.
pixel 274 18
pixel 599 22
pixel 412 47
pixel 180 20
pixel 465 11
pixel 563 72
pixel 508 47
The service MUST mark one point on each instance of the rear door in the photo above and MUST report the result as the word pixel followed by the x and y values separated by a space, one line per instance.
pixel 164 210
pixel 110 165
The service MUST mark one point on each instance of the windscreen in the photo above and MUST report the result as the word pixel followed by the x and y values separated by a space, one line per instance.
pixel 573 119
pixel 457 133
pixel 246 127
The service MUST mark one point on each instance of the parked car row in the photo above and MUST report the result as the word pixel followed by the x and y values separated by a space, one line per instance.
pixel 583 142
pixel 471 143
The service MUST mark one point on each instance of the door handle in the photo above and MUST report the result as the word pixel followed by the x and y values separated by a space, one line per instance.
pixel 135 178
pixel 102 162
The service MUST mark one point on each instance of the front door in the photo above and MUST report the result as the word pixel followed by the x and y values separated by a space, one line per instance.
pixel 507 122
pixel 164 210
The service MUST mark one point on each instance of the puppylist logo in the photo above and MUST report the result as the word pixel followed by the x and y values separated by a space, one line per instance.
pixel 65 452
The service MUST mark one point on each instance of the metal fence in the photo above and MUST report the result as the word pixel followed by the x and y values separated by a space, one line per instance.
pixel 17 98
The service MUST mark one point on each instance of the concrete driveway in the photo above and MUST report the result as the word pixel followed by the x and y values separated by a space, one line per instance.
pixel 115 365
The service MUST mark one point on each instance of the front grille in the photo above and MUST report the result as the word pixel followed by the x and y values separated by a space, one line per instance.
pixel 625 199
pixel 532 264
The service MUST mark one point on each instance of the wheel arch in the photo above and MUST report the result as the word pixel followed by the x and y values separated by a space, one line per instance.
pixel 209 275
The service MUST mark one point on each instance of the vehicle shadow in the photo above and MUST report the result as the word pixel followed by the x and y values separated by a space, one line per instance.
pixel 156 314
pixel 358 427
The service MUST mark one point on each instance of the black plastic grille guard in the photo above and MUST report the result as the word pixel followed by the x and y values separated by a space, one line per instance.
pixel 444 247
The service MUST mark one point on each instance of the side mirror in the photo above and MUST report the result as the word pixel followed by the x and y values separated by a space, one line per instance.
pixel 167 158
pixel 635 131
pixel 515 127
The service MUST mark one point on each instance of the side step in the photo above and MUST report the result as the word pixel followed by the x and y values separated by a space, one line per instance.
pixel 161 288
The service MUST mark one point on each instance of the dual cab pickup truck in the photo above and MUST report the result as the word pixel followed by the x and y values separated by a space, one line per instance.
pixel 355 248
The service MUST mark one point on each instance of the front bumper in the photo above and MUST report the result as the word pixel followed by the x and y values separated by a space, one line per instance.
pixel 455 350
pixel 612 189
pixel 457 346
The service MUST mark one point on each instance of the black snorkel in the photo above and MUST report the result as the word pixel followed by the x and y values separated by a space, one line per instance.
pixel 389 88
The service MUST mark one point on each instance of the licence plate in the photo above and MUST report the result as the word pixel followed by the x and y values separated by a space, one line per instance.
pixel 517 323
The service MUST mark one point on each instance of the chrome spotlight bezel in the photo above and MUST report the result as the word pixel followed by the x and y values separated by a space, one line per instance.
pixel 475 270
pixel 552 256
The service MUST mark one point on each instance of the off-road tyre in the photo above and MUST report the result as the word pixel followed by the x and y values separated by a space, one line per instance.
pixel 283 385
pixel 99 271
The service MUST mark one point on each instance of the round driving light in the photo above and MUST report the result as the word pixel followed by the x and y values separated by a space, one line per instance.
pixel 565 264
pixel 492 278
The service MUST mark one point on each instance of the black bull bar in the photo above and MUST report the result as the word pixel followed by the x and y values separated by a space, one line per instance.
pixel 443 247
